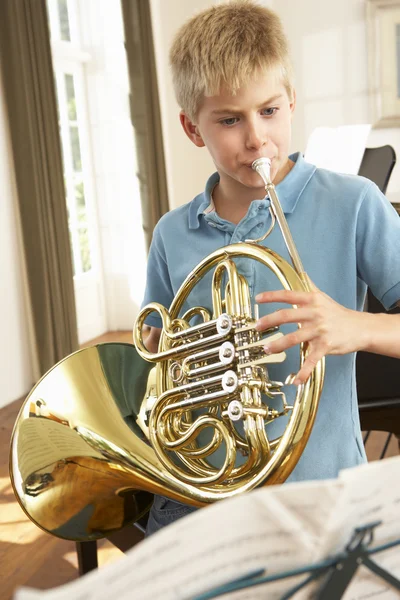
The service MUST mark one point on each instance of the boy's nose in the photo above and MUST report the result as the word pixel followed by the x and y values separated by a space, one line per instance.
pixel 255 138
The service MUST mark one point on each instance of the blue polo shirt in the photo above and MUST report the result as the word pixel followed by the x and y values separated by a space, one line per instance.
pixel 348 237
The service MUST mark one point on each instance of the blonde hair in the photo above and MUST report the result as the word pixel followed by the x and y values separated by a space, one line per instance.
pixel 226 45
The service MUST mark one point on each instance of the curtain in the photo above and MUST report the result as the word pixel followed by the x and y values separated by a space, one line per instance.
pixel 145 112
pixel 30 98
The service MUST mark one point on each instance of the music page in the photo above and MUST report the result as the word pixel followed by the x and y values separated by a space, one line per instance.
pixel 275 529
pixel 370 494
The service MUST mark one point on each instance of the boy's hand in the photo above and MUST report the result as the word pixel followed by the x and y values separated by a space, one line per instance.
pixel 328 327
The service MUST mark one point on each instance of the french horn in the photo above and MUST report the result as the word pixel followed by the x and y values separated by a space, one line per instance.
pixel 112 424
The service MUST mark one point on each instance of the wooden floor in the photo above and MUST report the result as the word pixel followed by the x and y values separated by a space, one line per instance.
pixel 30 557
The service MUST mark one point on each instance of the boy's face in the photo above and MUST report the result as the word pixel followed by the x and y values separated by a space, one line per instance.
pixel 254 123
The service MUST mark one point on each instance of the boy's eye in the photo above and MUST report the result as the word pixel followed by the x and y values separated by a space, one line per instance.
pixel 269 112
pixel 229 121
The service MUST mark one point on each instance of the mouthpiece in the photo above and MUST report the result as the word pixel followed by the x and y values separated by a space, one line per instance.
pixel 263 168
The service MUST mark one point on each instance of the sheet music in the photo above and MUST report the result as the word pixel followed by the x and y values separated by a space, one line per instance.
pixel 371 492
pixel 279 528
pixel 338 149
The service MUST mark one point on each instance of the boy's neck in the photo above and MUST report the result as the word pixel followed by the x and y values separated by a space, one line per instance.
pixel 230 205
pixel 232 201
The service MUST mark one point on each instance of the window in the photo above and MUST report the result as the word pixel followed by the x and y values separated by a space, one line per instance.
pixel 100 163
pixel 69 60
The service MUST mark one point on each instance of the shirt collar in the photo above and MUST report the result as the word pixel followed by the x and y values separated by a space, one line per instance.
pixel 288 190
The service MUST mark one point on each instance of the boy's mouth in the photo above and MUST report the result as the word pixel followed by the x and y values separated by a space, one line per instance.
pixel 250 163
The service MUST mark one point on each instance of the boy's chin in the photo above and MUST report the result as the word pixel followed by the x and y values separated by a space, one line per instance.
pixel 247 179
pixel 252 180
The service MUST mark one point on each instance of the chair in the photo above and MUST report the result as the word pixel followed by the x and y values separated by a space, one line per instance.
pixel 377 165
pixel 378 377
pixel 124 539
pixel 378 387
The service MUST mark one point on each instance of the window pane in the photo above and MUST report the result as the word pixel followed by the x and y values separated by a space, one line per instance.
pixel 84 247
pixel 57 104
pixel 64 20
pixel 76 149
pixel 80 204
pixel 398 57
pixel 71 102
pixel 71 244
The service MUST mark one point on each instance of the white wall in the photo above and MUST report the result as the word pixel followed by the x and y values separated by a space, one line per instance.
pixel 188 167
pixel 328 43
pixel 329 50
pixel 16 372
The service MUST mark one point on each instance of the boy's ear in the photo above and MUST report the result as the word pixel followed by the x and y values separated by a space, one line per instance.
pixel 293 102
pixel 191 130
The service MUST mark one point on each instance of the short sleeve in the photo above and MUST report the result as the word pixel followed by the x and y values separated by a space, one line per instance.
pixel 158 282
pixel 378 246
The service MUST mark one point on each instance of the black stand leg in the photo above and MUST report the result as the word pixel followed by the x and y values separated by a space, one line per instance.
pixel 87 556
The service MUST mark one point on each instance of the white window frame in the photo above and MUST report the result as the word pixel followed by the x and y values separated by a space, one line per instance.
pixel 69 57
pixel 63 67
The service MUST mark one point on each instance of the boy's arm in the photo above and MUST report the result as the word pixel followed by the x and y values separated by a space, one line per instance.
pixel 329 328
pixel 158 286
pixel 152 339
pixel 382 334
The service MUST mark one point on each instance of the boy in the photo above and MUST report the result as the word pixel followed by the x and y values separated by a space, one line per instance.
pixel 233 81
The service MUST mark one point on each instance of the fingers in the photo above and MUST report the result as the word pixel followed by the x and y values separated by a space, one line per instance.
pixel 310 310
pixel 308 367
pixel 286 296
pixel 293 339
pixel 289 340
pixel 285 315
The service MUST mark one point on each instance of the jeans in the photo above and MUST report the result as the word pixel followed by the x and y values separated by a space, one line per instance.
pixel 164 512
